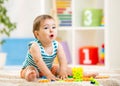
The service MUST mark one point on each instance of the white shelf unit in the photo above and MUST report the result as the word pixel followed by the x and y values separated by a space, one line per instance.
pixel 77 35
pixel 86 36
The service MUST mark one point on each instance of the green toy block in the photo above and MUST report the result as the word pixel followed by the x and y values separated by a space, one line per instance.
pixel 94 81
pixel 70 76
pixel 92 17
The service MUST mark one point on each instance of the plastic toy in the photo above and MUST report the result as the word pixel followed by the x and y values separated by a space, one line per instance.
pixel 86 79
pixel 77 73
pixel 102 56
pixel 43 80
pixel 102 77
pixel 69 80
pixel 102 22
pixel 64 13
pixel 94 81
pixel 77 77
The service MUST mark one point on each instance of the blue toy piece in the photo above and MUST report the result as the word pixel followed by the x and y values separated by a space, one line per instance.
pixel 43 77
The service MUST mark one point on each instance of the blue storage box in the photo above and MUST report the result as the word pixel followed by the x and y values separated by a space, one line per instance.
pixel 16 49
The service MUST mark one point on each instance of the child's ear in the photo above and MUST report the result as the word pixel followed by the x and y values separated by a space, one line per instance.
pixel 36 33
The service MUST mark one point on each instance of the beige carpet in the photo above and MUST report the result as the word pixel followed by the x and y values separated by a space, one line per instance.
pixel 10 77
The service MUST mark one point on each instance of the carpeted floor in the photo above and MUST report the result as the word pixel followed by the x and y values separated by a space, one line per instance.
pixel 10 77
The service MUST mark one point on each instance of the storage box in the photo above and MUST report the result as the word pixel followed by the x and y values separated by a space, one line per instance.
pixel 88 55
pixel 92 17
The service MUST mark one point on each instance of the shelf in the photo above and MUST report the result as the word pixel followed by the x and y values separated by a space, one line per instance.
pixel 64 28
pixel 90 28
pixel 80 28
pixel 73 31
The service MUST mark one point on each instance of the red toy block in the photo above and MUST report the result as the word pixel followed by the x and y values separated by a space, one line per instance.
pixel 88 55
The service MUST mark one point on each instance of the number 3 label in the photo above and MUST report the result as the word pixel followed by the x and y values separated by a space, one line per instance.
pixel 88 17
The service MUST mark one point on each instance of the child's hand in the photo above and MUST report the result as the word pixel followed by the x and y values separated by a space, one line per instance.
pixel 63 74
pixel 51 77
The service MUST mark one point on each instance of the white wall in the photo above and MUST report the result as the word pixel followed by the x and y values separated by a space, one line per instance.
pixel 23 13
pixel 113 33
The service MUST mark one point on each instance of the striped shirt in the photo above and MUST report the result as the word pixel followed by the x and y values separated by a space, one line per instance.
pixel 48 59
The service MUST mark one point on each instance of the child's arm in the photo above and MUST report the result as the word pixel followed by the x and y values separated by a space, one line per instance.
pixel 35 52
pixel 62 61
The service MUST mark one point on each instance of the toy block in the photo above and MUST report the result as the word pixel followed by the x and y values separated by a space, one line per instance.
pixel 88 55
pixel 43 80
pixel 77 73
pixel 92 17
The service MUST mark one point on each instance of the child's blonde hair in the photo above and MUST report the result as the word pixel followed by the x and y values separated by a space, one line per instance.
pixel 39 20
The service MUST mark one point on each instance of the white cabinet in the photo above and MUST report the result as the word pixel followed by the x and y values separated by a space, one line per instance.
pixel 77 35
pixel 86 35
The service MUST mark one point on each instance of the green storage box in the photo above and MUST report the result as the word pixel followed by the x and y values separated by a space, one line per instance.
pixel 92 17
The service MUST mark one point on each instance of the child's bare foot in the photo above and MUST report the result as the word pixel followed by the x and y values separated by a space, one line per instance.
pixel 31 75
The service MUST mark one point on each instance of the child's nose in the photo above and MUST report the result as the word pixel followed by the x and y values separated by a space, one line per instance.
pixel 51 29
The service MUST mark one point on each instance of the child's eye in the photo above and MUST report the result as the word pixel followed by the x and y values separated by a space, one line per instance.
pixel 53 27
pixel 46 28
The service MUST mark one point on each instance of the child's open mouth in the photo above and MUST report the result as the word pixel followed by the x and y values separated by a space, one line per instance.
pixel 51 35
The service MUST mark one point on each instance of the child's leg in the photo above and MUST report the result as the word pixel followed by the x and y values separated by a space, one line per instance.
pixel 29 73
pixel 55 70
pixel 90 74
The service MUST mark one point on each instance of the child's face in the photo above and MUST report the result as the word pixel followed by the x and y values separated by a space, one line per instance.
pixel 47 31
